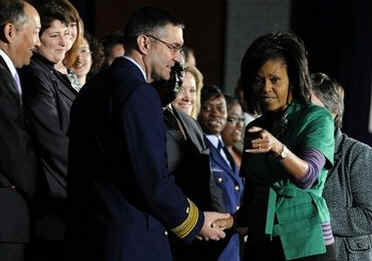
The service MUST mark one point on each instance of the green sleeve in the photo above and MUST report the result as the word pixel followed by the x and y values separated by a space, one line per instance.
pixel 318 132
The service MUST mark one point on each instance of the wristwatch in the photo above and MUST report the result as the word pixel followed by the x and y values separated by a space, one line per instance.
pixel 284 153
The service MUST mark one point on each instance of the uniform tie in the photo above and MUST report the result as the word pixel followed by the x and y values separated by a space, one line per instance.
pixel 220 146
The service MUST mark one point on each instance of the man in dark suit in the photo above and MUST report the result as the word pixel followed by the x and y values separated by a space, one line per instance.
pixel 123 200
pixel 20 24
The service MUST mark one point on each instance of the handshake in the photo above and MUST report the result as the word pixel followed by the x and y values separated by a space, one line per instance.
pixel 214 225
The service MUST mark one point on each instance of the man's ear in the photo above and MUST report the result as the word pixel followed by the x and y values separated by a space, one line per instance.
pixel 8 33
pixel 143 43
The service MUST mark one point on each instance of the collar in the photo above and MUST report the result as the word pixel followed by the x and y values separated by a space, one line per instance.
pixel 43 60
pixel 136 64
pixel 214 139
pixel 9 63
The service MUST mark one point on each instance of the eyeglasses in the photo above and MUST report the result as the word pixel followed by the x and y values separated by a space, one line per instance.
pixel 174 48
pixel 235 120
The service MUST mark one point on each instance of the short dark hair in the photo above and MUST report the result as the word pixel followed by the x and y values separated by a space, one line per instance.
pixel 330 93
pixel 112 39
pixel 231 101
pixel 97 53
pixel 52 10
pixel 276 46
pixel 12 11
pixel 210 91
pixel 147 20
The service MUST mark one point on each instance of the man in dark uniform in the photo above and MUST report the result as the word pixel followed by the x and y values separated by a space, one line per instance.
pixel 123 200
pixel 20 25
pixel 189 161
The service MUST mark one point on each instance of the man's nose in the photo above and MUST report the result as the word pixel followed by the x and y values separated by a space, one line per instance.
pixel 178 57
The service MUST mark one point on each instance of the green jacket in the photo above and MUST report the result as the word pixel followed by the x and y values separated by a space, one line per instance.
pixel 292 213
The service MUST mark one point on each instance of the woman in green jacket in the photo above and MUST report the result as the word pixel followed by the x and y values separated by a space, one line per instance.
pixel 287 152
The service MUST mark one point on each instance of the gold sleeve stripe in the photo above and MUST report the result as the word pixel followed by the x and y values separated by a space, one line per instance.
pixel 189 223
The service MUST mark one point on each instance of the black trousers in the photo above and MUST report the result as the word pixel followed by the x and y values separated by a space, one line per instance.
pixel 272 251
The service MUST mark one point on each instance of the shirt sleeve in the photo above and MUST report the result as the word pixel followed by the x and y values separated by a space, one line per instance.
pixel 316 162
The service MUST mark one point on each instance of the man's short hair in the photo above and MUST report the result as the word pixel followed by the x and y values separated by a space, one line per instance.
pixel 12 11
pixel 112 39
pixel 147 20
pixel 330 93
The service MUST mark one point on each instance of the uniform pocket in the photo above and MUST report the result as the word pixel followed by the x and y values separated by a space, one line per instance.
pixel 359 248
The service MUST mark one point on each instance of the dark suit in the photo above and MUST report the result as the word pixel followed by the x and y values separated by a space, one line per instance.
pixel 18 165
pixel 122 198
pixel 189 161
pixel 48 97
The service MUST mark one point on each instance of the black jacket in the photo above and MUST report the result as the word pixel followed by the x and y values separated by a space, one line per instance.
pixel 48 97
pixel 18 164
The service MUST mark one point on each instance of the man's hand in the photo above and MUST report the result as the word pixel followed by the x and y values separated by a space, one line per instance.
pixel 209 231
pixel 224 223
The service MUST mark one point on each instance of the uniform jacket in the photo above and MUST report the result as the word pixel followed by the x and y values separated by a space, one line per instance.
pixel 230 190
pixel 18 164
pixel 348 194
pixel 123 200
pixel 48 97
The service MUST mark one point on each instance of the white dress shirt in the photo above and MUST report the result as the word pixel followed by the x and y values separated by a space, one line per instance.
pixel 12 69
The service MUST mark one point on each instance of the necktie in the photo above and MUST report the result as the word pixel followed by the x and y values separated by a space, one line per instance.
pixel 220 149
pixel 18 83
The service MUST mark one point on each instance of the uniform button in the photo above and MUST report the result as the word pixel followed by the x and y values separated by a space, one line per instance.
pixel 166 233
pixel 237 188
pixel 237 207
pixel 12 187
pixel 220 180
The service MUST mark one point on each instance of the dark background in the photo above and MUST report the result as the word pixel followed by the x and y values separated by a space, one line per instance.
pixel 338 36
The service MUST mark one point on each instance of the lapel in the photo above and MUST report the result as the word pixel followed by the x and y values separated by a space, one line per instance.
pixel 11 83
pixel 193 133
pixel 60 81
pixel 231 159
pixel 66 88
pixel 221 162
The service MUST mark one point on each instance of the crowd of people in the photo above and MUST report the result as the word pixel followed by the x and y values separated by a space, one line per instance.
pixel 117 149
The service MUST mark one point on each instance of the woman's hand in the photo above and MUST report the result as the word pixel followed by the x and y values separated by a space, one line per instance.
pixel 263 141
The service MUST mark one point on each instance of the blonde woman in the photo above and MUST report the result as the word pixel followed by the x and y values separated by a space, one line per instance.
pixel 188 99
